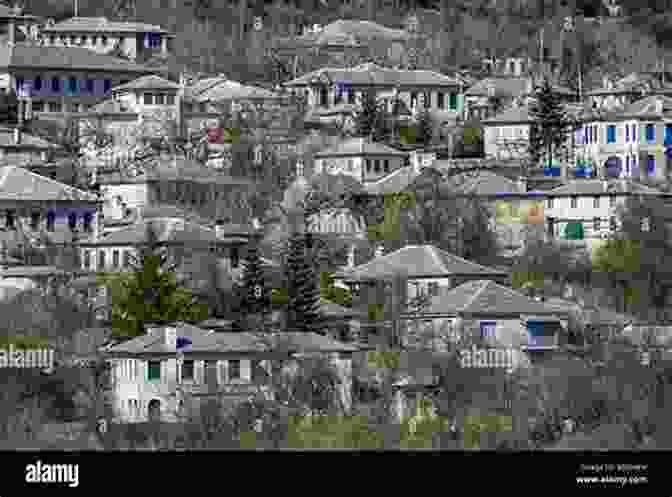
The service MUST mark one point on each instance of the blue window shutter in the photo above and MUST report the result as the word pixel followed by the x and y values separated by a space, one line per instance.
pixel 488 329
pixel 611 134
pixel 650 133
pixel 651 165
pixel 668 134
pixel 627 133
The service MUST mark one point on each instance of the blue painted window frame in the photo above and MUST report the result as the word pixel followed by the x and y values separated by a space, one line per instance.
pixel 488 329
pixel 650 133
pixel 611 134
pixel 651 165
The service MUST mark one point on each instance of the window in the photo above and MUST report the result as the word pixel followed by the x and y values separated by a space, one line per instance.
pixel 34 220
pixel 596 202
pixel 351 96
pixel 72 221
pixel 650 133
pixel 440 100
pixel 187 370
pixel 646 224
pixel 20 83
pixel 159 99
pixel 612 200
pixel 650 165
pixel 376 166
pixel 573 203
pixel 103 40
pixel 51 218
pixel 574 231
pixel 101 259
pixel 350 165
pixel 38 106
pixel 414 99
pixel 107 86
pixel 549 203
pixel 234 369
pixel 87 259
pixel 452 101
pixel 154 371
pixel 368 165
pixel 55 106
pixel 627 133
pixel 488 329
pixel 386 165
pixel 9 217
pixel 612 223
pixel 611 134
pixel 339 95
pixel 148 99
pixel 433 289
pixel 37 84
pixel 324 97
pixel 55 85
pixel 127 258
pixel 668 134
pixel 170 99
pixel 72 86
pixel 204 108
pixel 235 257
pixel 595 135
pixel 89 86
pixel 427 100
pixel 88 221
pixel 596 224
pixel 115 258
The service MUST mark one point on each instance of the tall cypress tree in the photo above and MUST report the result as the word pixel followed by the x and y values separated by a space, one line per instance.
pixel 256 296
pixel 303 308
pixel 550 123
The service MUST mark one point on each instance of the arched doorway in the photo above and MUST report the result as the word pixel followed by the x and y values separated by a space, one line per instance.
pixel 154 410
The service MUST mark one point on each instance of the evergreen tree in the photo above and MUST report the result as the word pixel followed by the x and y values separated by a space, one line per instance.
pixel 550 123
pixel 370 120
pixel 255 294
pixel 303 308
pixel 425 128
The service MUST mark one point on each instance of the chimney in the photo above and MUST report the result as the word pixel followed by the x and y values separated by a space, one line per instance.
pixel 659 106
pixel 351 257
pixel 170 337
pixel 17 136
pixel 380 250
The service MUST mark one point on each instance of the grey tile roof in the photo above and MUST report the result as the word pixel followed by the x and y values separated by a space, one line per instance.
pixel 243 342
pixel 372 74
pixel 513 115
pixel 101 25
pixel 640 334
pixel 395 182
pixel 359 146
pixel 503 87
pixel 17 183
pixel 24 55
pixel 149 82
pixel 418 261
pixel 488 297
pixel 595 187
pixel 647 106
pixel 487 183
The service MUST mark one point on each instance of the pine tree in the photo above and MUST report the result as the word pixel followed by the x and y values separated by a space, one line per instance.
pixel 255 294
pixel 425 128
pixel 550 123
pixel 303 309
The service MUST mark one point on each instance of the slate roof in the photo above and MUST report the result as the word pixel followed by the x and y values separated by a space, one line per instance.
pixel 506 87
pixel 17 183
pixel 416 261
pixel 395 182
pixel 357 147
pixel 27 141
pixel 635 83
pixel 221 88
pixel 102 25
pixel 647 107
pixel 347 32
pixel 168 230
pixel 24 55
pixel 596 187
pixel 487 183
pixel 372 74
pixel 206 341
pixel 640 334
pixel 512 115
pixel 488 297
pixel 149 82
